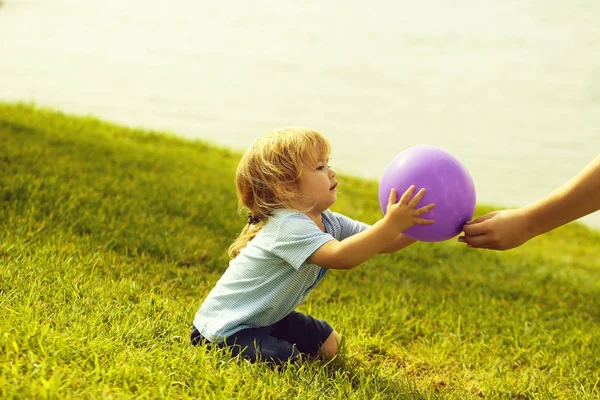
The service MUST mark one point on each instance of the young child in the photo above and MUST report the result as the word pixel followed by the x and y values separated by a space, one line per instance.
pixel 290 242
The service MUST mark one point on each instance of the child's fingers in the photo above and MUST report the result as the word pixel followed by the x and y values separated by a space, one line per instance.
pixel 406 196
pixel 423 210
pixel 392 198
pixel 415 200
pixel 421 221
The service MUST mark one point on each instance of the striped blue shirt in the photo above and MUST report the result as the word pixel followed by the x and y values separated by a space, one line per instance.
pixel 270 277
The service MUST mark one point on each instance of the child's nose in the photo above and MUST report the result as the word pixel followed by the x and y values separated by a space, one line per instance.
pixel 331 173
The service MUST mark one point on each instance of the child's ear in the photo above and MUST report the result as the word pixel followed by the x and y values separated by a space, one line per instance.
pixel 285 191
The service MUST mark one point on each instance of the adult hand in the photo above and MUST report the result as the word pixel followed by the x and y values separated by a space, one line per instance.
pixel 498 230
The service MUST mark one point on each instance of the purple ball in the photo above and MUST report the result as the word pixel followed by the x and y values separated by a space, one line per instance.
pixel 448 185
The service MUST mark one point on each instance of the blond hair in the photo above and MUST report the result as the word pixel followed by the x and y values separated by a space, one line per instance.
pixel 268 173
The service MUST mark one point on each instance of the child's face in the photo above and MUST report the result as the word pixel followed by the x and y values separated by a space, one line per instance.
pixel 318 186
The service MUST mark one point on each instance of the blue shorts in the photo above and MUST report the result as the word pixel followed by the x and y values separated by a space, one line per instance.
pixel 285 340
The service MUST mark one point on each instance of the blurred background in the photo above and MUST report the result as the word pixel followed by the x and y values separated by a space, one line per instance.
pixel 511 88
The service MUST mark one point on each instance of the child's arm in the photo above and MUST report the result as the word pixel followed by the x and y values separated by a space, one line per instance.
pixel 398 243
pixel 356 249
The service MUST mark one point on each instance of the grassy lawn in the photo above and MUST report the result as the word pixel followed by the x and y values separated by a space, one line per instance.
pixel 111 237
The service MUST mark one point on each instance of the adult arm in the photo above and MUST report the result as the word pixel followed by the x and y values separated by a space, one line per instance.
pixel 506 229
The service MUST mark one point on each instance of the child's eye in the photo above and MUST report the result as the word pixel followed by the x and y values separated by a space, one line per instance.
pixel 320 167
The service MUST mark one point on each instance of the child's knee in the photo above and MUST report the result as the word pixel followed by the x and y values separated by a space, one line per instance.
pixel 330 348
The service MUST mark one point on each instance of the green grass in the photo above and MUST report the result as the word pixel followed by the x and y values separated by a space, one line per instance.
pixel 111 238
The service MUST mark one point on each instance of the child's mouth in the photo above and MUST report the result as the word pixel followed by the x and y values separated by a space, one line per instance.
pixel 333 187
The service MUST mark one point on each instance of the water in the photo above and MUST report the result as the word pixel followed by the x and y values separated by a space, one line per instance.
pixel 511 88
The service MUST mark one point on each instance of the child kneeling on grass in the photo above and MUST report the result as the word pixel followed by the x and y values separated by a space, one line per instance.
pixel 290 242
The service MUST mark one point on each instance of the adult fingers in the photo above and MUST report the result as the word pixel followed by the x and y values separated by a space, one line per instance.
pixel 481 241
pixel 482 218
pixel 462 239
pixel 480 226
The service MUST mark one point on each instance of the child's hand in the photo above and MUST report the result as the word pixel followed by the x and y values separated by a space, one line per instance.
pixel 403 214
